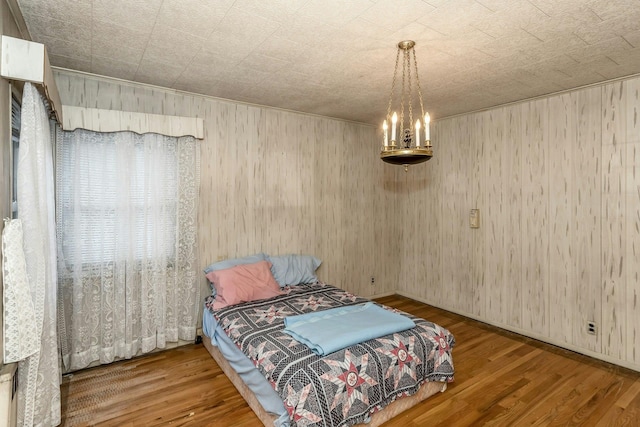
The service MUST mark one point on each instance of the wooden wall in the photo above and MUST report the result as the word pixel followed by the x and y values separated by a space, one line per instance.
pixel 278 182
pixel 556 179
pixel 557 182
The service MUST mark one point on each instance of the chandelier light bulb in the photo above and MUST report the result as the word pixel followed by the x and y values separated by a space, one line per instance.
pixel 394 120
pixel 385 127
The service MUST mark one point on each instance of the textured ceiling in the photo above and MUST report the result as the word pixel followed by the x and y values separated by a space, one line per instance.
pixel 336 57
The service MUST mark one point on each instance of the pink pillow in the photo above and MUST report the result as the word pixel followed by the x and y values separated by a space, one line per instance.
pixel 243 283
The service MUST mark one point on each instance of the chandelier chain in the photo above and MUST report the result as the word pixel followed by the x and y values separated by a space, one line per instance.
pixel 402 101
pixel 415 63
pixel 408 64
pixel 393 85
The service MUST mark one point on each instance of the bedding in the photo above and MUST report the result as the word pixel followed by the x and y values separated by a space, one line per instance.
pixel 292 269
pixel 228 263
pixel 242 283
pixel 244 368
pixel 330 330
pixel 345 387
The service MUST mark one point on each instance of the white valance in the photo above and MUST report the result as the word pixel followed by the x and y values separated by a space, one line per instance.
pixel 99 120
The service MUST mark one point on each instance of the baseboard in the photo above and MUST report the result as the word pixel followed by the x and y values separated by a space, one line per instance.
pixel 382 295
pixel 170 345
pixel 529 334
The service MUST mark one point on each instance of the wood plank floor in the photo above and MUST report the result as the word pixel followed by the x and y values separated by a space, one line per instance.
pixel 502 379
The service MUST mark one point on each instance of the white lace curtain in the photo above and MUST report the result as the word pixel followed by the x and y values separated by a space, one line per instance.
pixel 127 267
pixel 39 374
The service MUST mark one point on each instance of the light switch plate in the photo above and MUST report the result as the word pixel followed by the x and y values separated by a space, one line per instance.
pixel 474 218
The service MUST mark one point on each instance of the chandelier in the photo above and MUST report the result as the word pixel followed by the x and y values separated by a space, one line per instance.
pixel 404 144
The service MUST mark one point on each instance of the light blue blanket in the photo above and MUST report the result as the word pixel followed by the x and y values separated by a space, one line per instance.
pixel 330 330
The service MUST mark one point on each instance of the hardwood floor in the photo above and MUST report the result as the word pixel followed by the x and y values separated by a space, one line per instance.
pixel 502 379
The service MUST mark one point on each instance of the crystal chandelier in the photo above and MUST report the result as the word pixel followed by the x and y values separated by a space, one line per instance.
pixel 404 144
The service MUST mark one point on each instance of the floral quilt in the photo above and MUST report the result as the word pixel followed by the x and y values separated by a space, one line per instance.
pixel 345 387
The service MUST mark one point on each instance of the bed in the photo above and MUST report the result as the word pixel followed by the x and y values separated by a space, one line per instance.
pixel 287 384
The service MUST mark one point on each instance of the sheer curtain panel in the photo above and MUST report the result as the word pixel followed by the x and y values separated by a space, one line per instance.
pixel 126 218
pixel 39 374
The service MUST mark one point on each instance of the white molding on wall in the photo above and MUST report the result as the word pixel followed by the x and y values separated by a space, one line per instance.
pixel 179 93
pixel 544 96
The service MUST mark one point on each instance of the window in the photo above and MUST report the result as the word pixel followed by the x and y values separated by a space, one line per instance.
pixel 117 197
pixel 16 112
pixel 126 218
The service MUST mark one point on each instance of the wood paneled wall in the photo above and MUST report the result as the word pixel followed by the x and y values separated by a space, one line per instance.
pixel 557 182
pixel 556 179
pixel 278 182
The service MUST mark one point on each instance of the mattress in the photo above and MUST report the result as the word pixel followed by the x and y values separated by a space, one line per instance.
pixel 347 387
